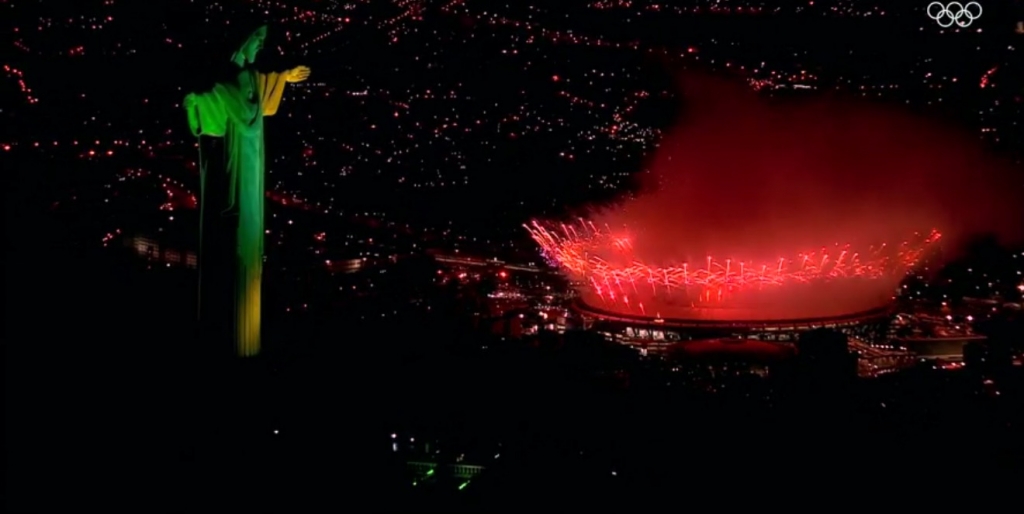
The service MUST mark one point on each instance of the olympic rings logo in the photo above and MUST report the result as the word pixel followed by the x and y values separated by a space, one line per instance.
pixel 954 12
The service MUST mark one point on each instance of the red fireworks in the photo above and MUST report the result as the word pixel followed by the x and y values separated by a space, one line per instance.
pixel 755 209
pixel 585 253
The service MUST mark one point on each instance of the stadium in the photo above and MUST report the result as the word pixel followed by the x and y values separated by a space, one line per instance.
pixel 657 334
pixel 655 306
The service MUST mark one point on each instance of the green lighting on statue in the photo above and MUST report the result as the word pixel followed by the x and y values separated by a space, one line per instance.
pixel 233 191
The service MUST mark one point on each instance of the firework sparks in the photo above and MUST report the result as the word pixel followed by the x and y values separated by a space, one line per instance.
pixel 587 254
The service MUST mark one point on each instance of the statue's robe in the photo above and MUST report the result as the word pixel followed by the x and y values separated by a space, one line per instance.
pixel 228 120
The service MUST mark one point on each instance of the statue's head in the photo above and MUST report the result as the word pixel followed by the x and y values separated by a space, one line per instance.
pixel 252 46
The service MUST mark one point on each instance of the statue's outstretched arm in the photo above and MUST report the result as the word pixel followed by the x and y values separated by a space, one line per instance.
pixel 272 87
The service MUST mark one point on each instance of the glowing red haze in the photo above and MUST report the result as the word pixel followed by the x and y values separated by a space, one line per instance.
pixel 752 182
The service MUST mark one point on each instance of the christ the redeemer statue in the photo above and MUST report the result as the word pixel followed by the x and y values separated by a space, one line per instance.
pixel 228 120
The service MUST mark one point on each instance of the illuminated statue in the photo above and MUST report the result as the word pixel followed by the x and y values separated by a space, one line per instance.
pixel 228 120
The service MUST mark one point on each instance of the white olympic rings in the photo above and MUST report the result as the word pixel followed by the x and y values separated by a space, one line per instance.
pixel 953 12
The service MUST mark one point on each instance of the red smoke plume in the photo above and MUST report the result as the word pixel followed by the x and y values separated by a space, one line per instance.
pixel 744 178
pixel 755 180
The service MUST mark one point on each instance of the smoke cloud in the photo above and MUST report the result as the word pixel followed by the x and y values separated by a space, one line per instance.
pixel 744 178
pixel 752 179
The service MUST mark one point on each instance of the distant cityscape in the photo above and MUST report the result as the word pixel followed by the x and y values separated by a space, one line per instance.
pixel 403 295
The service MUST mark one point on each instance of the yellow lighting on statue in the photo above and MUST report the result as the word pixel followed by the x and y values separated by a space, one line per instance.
pixel 249 311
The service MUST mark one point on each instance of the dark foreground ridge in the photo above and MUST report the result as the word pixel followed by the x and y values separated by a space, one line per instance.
pixel 112 402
